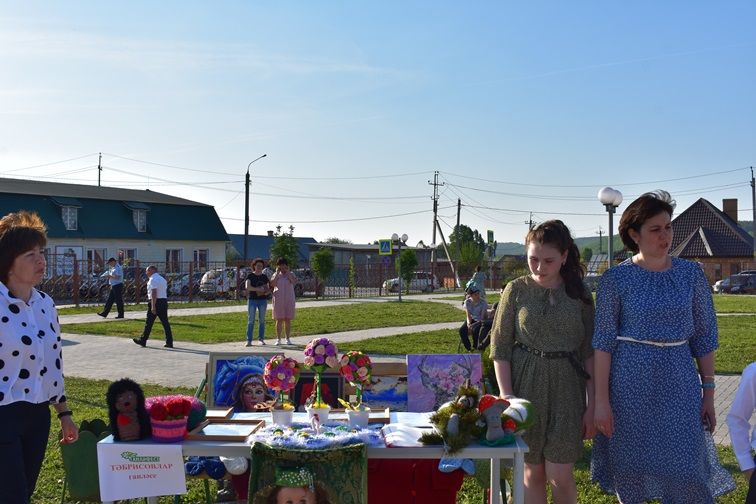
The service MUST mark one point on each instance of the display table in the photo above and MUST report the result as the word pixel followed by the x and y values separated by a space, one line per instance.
pixel 515 452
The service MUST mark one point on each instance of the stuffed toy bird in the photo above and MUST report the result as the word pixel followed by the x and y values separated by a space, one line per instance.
pixel 456 422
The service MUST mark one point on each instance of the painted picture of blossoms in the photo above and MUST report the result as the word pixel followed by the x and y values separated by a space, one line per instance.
pixel 434 379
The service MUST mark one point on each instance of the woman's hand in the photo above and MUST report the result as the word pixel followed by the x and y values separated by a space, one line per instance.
pixel 70 430
pixel 603 419
pixel 708 415
pixel 589 427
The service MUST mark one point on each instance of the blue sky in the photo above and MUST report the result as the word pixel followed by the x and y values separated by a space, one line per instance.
pixel 522 107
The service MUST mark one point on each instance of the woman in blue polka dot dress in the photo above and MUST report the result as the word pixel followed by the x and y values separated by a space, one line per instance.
pixel 654 316
pixel 31 368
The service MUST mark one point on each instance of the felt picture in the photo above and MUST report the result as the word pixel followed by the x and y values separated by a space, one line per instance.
pixel 434 379
pixel 388 387
pixel 235 379
pixel 331 388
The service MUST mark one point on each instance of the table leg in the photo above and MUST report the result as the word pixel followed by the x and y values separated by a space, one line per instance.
pixel 495 496
pixel 518 477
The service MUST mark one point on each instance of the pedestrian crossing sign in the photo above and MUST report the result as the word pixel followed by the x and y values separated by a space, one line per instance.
pixel 384 247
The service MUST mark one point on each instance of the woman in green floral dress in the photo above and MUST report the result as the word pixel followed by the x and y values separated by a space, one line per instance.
pixel 541 347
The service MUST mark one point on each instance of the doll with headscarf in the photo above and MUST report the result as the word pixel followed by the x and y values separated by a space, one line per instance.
pixel 296 485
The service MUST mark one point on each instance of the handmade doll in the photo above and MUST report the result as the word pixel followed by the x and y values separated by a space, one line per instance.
pixel 129 420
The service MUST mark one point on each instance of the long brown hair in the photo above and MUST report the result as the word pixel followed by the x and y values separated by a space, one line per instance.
pixel 556 234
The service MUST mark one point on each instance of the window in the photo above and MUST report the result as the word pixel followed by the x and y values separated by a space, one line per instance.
pixel 140 219
pixel 70 217
pixel 95 261
pixel 201 257
pixel 173 260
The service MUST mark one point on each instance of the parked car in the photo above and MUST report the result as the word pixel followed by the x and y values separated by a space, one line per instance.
pixel 221 282
pixel 307 281
pixel 741 284
pixel 421 280
pixel 181 284
pixel 720 285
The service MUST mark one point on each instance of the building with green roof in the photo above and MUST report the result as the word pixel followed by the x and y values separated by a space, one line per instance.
pixel 136 226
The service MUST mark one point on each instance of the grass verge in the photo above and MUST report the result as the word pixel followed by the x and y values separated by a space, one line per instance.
pixel 229 327
pixel 131 307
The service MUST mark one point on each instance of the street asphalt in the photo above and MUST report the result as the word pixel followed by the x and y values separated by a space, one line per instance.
pixel 111 358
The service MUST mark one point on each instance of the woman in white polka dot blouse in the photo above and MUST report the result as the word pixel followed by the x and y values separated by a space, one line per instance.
pixel 31 369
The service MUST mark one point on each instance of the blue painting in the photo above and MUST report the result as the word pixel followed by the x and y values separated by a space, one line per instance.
pixel 237 380
pixel 387 392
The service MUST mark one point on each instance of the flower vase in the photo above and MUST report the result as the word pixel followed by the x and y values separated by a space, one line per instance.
pixel 359 419
pixel 168 431
pixel 282 416
pixel 321 412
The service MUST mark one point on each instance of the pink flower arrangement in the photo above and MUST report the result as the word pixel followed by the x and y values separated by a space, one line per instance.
pixel 321 354
pixel 281 373
pixel 356 368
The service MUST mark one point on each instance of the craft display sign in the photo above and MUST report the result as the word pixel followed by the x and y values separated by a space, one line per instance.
pixel 139 470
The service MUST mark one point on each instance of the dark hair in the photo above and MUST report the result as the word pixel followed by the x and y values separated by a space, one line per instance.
pixel 281 261
pixel 646 206
pixel 556 234
pixel 257 260
pixel 112 259
pixel 19 232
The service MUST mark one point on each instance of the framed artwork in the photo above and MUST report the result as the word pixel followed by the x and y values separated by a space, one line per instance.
pixel 434 379
pixel 235 379
pixel 388 388
pixel 331 388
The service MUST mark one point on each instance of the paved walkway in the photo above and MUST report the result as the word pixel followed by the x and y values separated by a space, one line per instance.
pixel 111 358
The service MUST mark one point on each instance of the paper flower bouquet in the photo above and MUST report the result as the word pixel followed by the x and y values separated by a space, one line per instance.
pixel 320 354
pixel 281 375
pixel 355 367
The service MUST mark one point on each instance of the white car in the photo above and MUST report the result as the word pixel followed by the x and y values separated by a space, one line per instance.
pixel 220 283
pixel 720 285
pixel 421 280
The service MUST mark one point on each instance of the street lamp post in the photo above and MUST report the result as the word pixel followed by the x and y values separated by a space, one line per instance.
pixel 395 238
pixel 246 206
pixel 611 199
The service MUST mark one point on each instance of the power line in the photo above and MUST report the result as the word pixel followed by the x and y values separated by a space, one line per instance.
pixel 333 220
pixel 594 185
pixel 50 164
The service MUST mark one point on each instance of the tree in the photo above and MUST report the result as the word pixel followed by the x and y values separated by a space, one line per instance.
pixel 466 246
pixel 284 246
pixel 407 264
pixel 336 241
pixel 323 264
pixel 352 277
pixel 586 254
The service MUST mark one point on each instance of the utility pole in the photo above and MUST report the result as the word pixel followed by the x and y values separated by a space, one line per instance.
pixel 529 222
pixel 456 230
pixel 99 169
pixel 246 206
pixel 435 185
pixel 601 238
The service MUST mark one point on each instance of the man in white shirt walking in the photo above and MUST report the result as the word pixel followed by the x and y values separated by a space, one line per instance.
pixel 157 307
pixel 115 279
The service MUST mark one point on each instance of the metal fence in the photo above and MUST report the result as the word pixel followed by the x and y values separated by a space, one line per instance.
pixel 70 280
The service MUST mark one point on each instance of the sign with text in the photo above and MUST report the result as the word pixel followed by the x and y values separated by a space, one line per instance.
pixel 130 471
pixel 384 247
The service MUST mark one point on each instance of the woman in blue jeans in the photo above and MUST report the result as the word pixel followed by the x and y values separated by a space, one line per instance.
pixel 258 293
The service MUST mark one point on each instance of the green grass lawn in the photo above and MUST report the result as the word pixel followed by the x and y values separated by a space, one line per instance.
pixel 229 327
pixel 96 308
pixel 737 343
pixel 87 399
pixel 734 303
